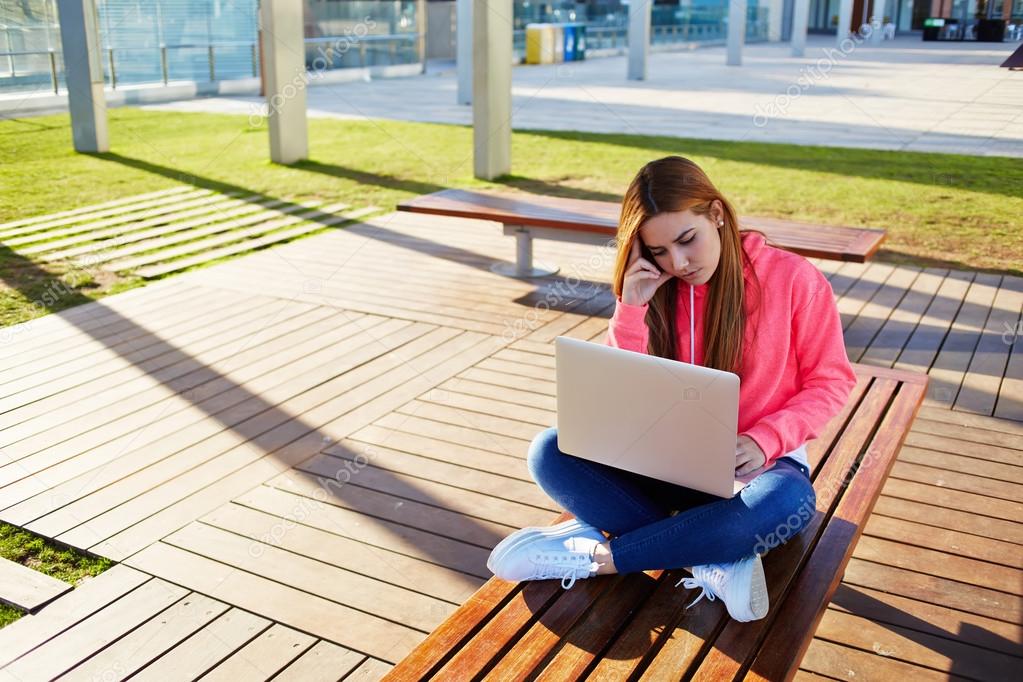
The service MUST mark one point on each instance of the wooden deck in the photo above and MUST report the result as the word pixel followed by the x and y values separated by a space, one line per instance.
pixel 303 457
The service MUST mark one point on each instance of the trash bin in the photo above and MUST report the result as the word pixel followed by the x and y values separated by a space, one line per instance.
pixel 559 42
pixel 569 42
pixel 539 44
pixel 580 42
pixel 932 27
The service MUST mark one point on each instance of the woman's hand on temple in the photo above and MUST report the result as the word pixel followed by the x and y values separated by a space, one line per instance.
pixel 748 456
pixel 642 278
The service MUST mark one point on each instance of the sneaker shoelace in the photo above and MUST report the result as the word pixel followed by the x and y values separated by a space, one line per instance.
pixel 706 586
pixel 564 566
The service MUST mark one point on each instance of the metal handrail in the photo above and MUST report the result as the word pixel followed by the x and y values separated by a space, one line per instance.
pixel 211 54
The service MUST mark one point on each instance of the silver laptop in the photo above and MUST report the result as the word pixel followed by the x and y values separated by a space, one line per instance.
pixel 669 420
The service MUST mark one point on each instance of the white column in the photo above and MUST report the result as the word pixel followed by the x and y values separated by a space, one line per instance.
pixel 463 49
pixel 284 62
pixel 736 31
pixel 877 21
pixel 421 23
pixel 491 87
pixel 844 20
pixel 800 20
pixel 639 38
pixel 775 12
pixel 83 74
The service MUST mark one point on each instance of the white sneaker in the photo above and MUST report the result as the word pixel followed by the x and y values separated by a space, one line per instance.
pixel 741 585
pixel 528 554
pixel 559 530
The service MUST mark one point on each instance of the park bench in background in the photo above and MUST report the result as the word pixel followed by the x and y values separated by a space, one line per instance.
pixel 624 626
pixel 534 216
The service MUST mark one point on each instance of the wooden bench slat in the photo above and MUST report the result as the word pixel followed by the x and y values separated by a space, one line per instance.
pixel 600 218
pixel 786 644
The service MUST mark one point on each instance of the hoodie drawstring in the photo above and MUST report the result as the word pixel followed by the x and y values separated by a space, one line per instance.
pixel 692 328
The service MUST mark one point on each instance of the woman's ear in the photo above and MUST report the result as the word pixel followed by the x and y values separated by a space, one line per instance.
pixel 717 213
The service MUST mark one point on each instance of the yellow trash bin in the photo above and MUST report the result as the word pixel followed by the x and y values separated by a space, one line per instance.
pixel 539 44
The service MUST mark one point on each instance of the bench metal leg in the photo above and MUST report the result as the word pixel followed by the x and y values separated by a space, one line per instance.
pixel 524 266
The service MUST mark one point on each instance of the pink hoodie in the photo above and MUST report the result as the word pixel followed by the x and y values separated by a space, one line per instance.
pixel 797 375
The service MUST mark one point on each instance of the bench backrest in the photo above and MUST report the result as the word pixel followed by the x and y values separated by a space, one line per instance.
pixel 616 626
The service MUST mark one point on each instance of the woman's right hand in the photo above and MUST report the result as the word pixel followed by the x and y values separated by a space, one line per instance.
pixel 642 278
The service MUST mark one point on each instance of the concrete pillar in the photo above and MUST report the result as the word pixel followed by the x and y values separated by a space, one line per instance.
pixel 463 49
pixel 876 20
pixel 83 74
pixel 491 87
pixel 775 14
pixel 639 39
pixel 800 20
pixel 736 31
pixel 845 9
pixel 284 58
pixel 421 23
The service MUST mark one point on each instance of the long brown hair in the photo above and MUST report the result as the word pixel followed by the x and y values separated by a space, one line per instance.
pixel 677 184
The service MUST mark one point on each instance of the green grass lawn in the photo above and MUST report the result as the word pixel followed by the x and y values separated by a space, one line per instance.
pixel 47 557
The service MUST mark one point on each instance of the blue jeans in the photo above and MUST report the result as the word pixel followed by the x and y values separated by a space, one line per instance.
pixel 637 511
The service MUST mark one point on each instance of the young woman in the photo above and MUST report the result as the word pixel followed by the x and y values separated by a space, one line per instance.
pixel 692 286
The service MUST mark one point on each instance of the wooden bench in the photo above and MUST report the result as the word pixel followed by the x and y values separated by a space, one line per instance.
pixel 534 216
pixel 626 626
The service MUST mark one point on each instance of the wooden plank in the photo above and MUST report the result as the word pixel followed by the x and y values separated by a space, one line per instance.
pixel 1010 393
pixel 473 475
pixel 535 417
pixel 162 268
pixel 845 663
pixel 263 657
pixel 926 340
pixel 295 440
pixel 150 640
pixel 933 619
pixel 493 422
pixel 1008 510
pixel 860 333
pixel 87 637
pixel 77 213
pixel 978 446
pixel 970 422
pixel 966 463
pixel 394 537
pixel 356 591
pixel 1005 490
pixel 127 206
pixel 455 433
pixel 79 234
pixel 168 371
pixel 370 670
pixel 944 564
pixel 308 532
pixel 323 662
pixel 92 595
pixel 887 345
pixel 300 610
pixel 944 518
pixel 321 213
pixel 200 652
pixel 207 394
pixel 102 482
pixel 513 467
pixel 956 594
pixel 952 361
pixel 27 589
pixel 983 377
pixel 47 378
